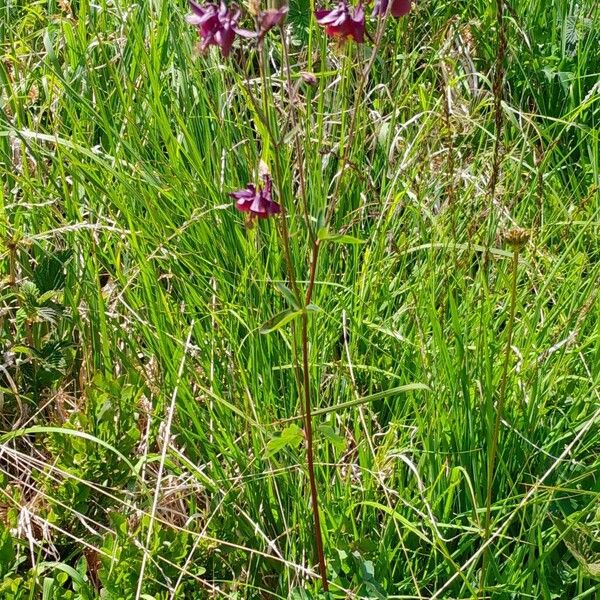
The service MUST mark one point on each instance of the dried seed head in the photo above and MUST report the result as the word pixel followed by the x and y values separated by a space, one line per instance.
pixel 65 6
pixel 516 237
pixel 34 94
pixel 254 7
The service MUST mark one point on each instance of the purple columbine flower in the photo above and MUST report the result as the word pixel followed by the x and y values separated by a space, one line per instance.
pixel 341 23
pixel 257 200
pixel 217 25
pixel 398 9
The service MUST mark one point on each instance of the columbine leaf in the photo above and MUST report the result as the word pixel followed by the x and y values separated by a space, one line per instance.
pixel 335 439
pixel 48 314
pixel 291 437
pixel 45 297
pixel 50 273
pixel 29 293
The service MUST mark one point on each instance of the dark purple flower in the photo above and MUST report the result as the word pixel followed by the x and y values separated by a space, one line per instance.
pixel 257 200
pixel 217 25
pixel 399 7
pixel 340 22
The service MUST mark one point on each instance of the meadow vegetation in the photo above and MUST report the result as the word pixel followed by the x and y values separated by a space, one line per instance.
pixel 158 345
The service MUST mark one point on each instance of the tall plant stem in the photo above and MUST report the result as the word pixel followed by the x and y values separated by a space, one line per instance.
pixel 285 236
pixel 12 263
pixel 500 406
pixel 310 461
pixel 283 230
pixel 308 417
pixel 346 155
pixel 315 246
pixel 358 100
pixel 498 86
pixel 297 142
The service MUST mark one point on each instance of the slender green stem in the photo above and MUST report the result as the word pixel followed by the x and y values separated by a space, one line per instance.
pixel 12 263
pixel 498 86
pixel 497 89
pixel 500 406
pixel 297 142
pixel 358 100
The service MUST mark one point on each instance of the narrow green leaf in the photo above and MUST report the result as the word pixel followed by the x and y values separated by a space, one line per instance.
pixel 65 431
pixel 337 238
pixel 411 387
pixel 279 320
pixel 285 291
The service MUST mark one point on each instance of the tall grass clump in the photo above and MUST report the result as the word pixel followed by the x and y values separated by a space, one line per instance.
pixel 299 301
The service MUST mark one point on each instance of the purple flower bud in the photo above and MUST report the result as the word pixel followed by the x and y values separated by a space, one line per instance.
pixel 340 22
pixel 257 201
pixel 308 78
pixel 271 18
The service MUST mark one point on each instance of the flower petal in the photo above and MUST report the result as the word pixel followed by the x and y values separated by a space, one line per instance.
pixel 274 208
pixel 193 19
pixel 340 22
pixel 245 33
pixel 196 8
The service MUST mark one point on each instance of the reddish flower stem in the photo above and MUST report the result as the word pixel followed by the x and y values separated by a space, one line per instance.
pixel 310 454
pixel 310 462
pixel 285 236
pixel 304 334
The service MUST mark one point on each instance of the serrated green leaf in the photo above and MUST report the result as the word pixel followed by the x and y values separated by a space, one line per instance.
pixel 49 274
pixel 43 298
pixel 21 349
